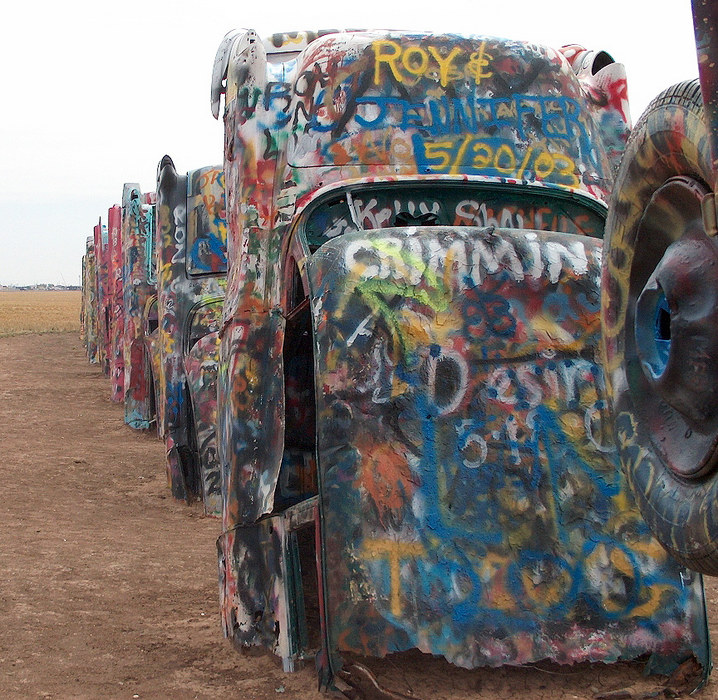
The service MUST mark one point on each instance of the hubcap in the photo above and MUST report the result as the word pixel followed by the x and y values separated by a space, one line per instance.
pixel 672 359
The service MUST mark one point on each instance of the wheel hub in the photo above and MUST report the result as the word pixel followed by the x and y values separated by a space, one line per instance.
pixel 676 331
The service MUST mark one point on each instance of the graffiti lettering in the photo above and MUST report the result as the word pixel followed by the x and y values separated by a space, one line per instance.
pixel 413 259
pixel 478 63
pixel 393 552
pixel 493 157
pixel 369 215
pixel 448 378
pixel 470 212
pixel 180 217
pixel 551 118
pixel 409 64
pixel 281 93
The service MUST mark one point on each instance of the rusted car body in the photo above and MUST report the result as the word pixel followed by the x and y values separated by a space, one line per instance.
pixel 138 289
pixel 88 313
pixel 116 304
pixel 413 432
pixel 191 277
pixel 660 309
pixel 102 251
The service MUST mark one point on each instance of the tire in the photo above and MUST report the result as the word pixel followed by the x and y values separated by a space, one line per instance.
pixel 660 326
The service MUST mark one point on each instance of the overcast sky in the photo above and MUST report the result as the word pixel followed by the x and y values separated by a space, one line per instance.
pixel 94 93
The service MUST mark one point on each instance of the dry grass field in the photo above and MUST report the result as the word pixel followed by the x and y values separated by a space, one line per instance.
pixel 39 311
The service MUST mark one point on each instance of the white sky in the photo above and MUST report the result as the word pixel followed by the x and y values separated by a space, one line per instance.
pixel 94 93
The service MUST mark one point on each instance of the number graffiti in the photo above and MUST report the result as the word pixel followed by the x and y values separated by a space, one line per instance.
pixel 484 157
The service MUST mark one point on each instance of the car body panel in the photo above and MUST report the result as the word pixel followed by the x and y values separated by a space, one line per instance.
pixel 472 503
pixel 201 364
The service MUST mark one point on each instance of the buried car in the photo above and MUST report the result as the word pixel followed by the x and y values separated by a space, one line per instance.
pixel 115 305
pixel 414 437
pixel 103 305
pixel 88 311
pixel 191 276
pixel 138 291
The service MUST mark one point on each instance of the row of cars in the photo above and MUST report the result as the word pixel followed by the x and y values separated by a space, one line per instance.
pixel 154 280
pixel 371 340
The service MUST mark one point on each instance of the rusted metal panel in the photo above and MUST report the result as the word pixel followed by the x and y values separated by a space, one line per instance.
pixel 259 613
pixel 137 229
pixel 251 399
pixel 191 249
pixel 201 364
pixel 265 602
pixel 152 349
pixel 472 503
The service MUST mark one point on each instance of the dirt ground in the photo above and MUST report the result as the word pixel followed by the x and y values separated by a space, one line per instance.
pixel 108 586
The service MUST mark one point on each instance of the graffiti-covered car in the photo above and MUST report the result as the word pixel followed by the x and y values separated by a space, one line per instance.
pixel 191 237
pixel 88 312
pixel 413 431
pixel 660 305
pixel 115 305
pixel 103 305
pixel 138 289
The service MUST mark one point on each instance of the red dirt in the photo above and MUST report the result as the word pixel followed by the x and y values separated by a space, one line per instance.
pixel 109 586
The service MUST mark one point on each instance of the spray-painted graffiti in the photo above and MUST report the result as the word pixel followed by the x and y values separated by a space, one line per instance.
pixel 419 103
pixel 201 365
pixel 116 304
pixel 88 314
pixel 604 85
pixel 468 477
pixel 102 261
pixel 137 229
pixel 394 204
pixel 150 320
pixel 191 248
pixel 408 347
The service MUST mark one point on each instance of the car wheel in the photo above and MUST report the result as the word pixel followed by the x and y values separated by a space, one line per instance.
pixel 660 326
